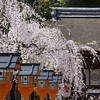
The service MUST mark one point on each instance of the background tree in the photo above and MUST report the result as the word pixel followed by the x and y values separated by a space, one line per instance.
pixel 42 7
pixel 80 3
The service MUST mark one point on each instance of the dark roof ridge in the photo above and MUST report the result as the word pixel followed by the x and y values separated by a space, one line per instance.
pixel 57 75
pixel 47 70
pixel 30 64
pixel 8 54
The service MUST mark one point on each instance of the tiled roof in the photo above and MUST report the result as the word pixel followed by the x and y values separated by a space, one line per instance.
pixel 35 69
pixel 68 12
pixel 15 72
pixel 56 79
pixel 42 78
pixel 8 60
pixel 29 69
pixel 45 75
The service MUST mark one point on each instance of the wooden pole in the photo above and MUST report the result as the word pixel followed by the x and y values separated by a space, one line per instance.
pixel 25 97
pixel 2 98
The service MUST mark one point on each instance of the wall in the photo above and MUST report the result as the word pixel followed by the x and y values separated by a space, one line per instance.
pixel 81 30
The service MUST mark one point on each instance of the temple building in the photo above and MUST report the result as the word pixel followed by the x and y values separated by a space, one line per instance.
pixel 82 25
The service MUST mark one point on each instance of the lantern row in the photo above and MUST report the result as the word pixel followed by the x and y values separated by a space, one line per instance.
pixel 46 80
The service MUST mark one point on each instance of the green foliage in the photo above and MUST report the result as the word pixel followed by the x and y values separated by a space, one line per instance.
pixel 71 3
pixel 91 3
pixel 36 96
pixel 43 8
pixel 81 3
pixel 21 8
pixel 44 5
pixel 33 17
